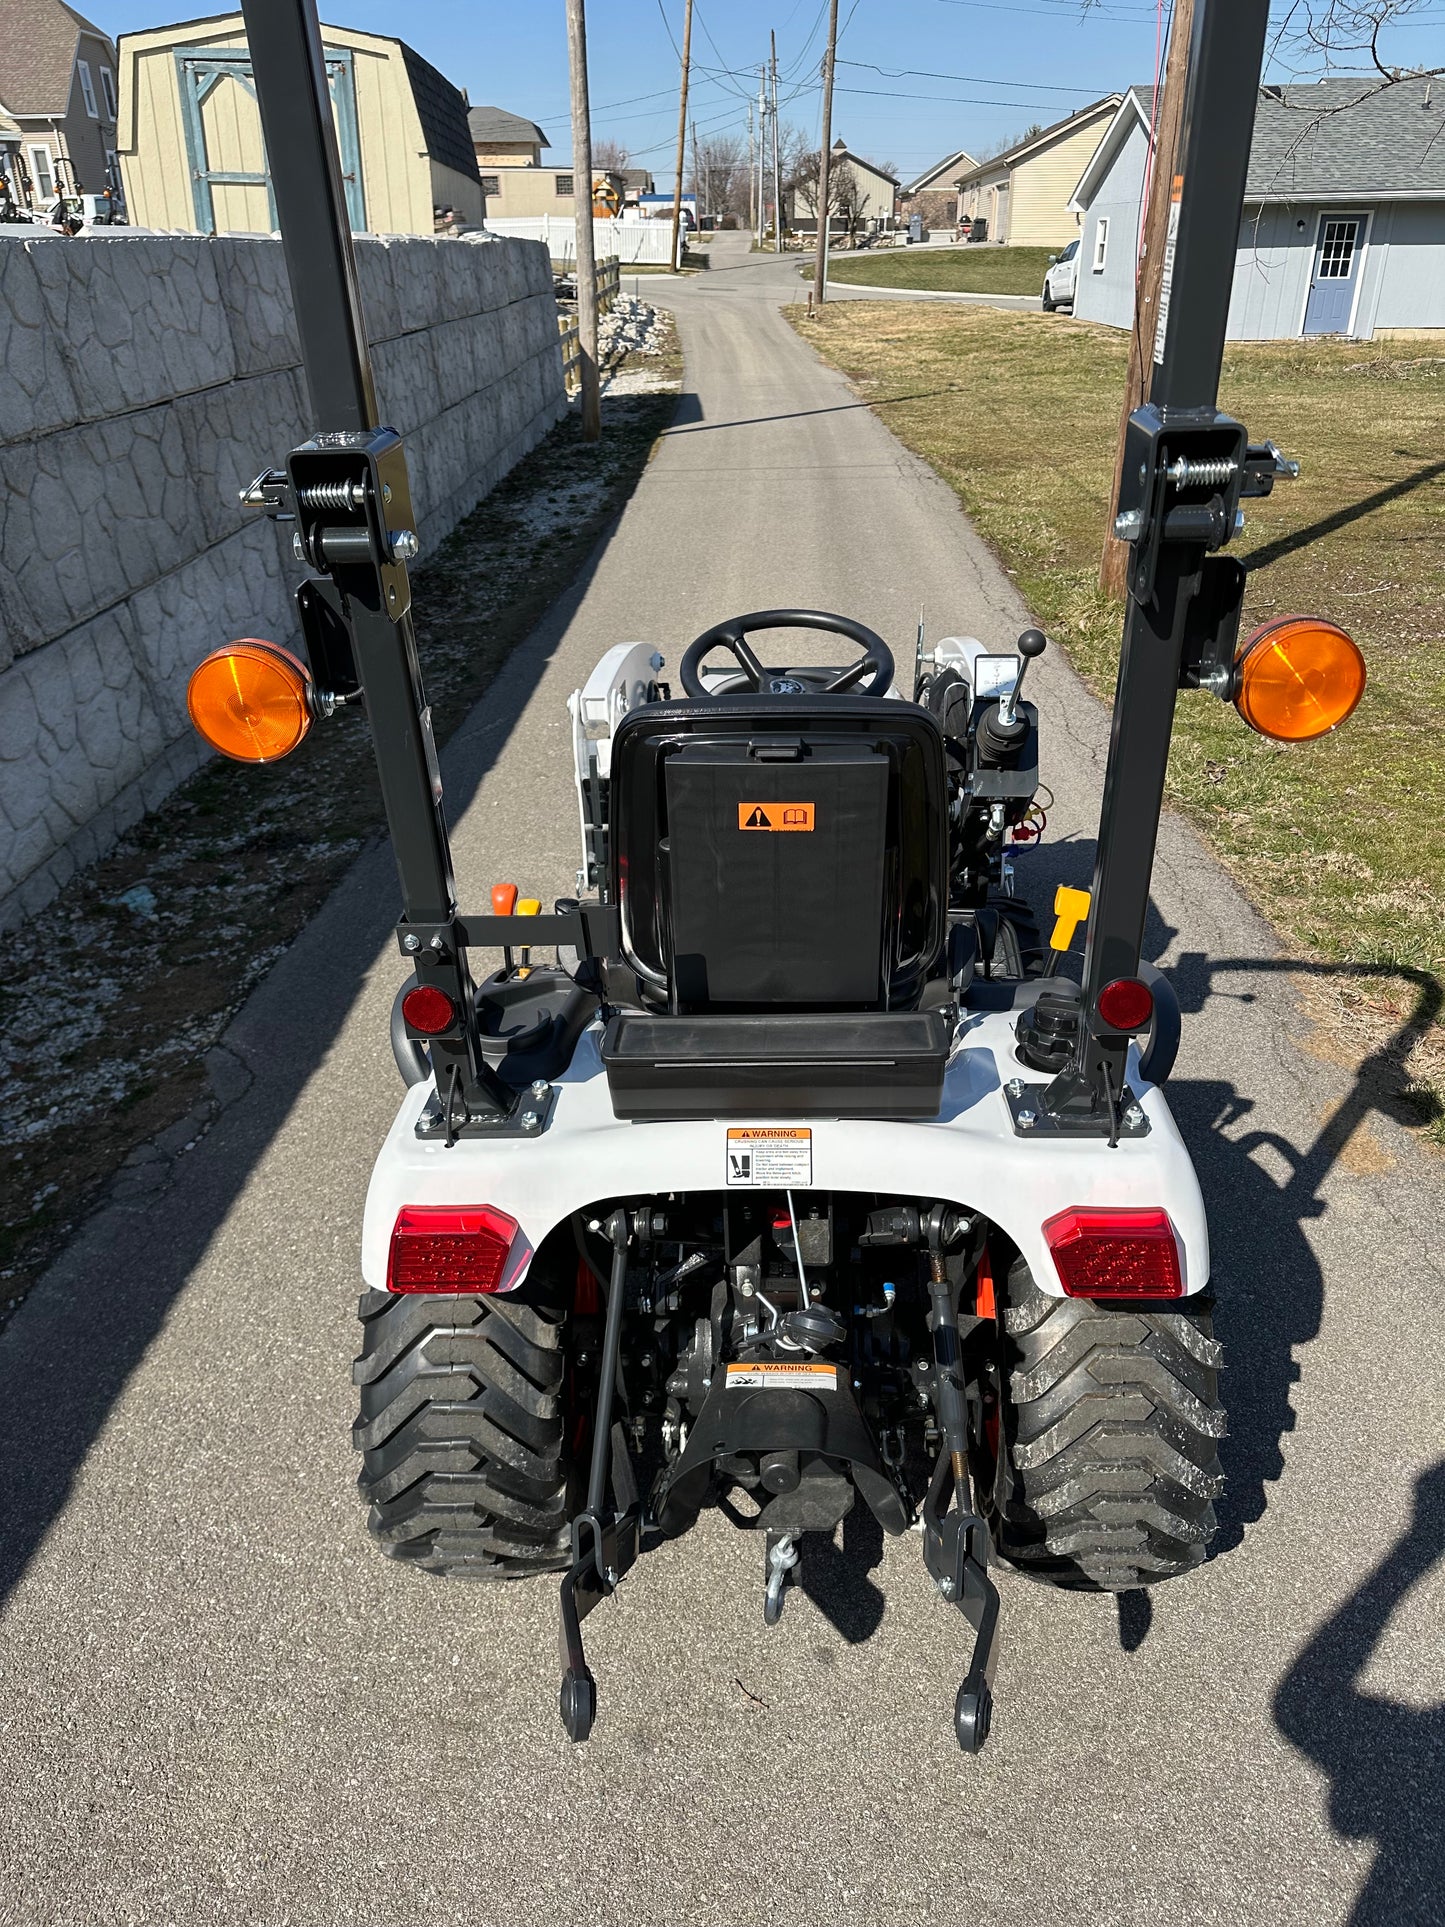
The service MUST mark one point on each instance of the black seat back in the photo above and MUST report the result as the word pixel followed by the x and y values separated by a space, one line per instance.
pixel 780 853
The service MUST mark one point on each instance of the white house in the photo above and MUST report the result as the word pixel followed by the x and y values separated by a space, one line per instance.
pixel 1344 218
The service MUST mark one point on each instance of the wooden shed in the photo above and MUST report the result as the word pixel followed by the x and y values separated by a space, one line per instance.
pixel 190 135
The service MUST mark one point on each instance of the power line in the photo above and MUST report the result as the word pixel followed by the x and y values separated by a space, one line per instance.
pixel 977 80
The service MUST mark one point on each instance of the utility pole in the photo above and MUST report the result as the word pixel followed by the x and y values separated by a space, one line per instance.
pixel 820 267
pixel 750 164
pixel 582 201
pixel 777 172
pixel 682 132
pixel 762 181
pixel 1168 118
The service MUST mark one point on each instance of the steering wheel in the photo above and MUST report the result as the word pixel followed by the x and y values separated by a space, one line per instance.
pixel 876 662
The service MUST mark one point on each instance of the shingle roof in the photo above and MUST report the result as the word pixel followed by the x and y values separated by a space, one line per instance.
pixel 37 55
pixel 490 124
pixel 1012 155
pixel 961 158
pixel 1348 137
pixel 442 110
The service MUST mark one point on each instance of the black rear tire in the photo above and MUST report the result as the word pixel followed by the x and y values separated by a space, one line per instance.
pixel 1108 1458
pixel 462 1432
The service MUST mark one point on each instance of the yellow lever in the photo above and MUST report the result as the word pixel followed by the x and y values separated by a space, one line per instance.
pixel 527 907
pixel 1071 908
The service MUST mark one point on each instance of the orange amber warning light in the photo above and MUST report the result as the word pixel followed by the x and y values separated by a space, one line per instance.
pixel 251 700
pixel 1297 678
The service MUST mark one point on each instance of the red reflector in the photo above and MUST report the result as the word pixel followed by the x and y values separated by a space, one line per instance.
pixel 1126 1004
pixel 1115 1253
pixel 446 1248
pixel 428 1010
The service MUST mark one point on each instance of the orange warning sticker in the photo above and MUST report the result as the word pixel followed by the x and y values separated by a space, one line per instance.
pixel 775 816
pixel 764 1154
pixel 784 1376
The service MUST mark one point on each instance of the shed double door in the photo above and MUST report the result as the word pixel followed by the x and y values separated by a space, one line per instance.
pixel 230 182
pixel 1339 248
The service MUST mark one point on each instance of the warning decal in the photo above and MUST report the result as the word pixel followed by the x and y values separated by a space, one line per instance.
pixel 1166 283
pixel 787 1377
pixel 777 1157
pixel 775 816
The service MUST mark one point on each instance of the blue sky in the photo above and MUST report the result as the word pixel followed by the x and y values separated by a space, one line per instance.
pixel 917 79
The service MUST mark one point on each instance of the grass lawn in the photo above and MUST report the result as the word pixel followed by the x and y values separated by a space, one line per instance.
pixel 1341 843
pixel 980 270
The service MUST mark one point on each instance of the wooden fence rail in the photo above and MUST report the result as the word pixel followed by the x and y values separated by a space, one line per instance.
pixel 609 286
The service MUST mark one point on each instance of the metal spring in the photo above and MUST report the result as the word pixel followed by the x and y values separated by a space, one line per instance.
pixel 332 495
pixel 1186 474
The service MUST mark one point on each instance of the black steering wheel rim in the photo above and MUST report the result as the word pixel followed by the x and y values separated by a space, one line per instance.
pixel 733 633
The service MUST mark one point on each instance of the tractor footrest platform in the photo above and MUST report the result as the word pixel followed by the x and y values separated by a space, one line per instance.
pixel 867 1064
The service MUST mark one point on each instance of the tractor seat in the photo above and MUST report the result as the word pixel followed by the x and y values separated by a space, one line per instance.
pixel 776 861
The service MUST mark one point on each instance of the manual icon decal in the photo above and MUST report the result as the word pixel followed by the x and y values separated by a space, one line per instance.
pixel 770 1155
pixel 775 816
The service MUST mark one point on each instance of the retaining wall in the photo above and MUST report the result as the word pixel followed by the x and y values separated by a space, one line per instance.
pixel 144 379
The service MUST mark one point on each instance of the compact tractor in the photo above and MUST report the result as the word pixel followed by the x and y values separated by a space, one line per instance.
pixel 783 1168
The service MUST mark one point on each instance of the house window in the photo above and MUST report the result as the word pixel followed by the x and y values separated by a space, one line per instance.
pixel 564 184
pixel 492 186
pixel 107 88
pixel 40 172
pixel 87 88
pixel 1101 242
pixel 1337 251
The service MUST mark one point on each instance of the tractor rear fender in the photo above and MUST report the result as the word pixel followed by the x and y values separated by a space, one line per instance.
pixel 970 1155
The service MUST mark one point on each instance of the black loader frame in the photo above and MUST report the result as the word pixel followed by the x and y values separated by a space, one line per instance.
pixel 346 492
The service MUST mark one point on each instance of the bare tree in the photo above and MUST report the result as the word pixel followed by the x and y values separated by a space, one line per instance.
pixel 1346 32
pixel 610 157
pixel 720 175
pixel 845 190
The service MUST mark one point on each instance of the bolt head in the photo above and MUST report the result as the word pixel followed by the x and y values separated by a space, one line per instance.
pixel 531 1121
pixel 296 547
pixel 945 1586
pixel 386 491
pixel 540 1088
pixel 405 546
pixel 1015 1087
pixel 411 943
pixel 1134 1115
pixel 1026 1120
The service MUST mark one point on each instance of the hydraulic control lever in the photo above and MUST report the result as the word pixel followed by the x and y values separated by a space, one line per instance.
pixel 1032 643
pixel 1002 730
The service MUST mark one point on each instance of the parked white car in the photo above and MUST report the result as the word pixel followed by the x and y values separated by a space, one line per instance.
pixel 1062 278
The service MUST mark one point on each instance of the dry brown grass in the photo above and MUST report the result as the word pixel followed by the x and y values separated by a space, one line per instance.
pixel 1340 843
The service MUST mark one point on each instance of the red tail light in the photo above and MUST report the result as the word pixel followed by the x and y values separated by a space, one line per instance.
pixel 1115 1253
pixel 448 1248
pixel 1126 1004
pixel 428 1010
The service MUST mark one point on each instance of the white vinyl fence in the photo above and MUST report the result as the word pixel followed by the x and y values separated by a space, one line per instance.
pixel 630 241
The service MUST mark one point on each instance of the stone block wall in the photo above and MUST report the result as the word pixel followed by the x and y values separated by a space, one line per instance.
pixel 144 379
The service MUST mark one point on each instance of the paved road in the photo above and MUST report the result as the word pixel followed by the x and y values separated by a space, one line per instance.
pixel 220 1705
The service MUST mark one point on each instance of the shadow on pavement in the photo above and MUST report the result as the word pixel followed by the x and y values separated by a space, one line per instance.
pixel 689 417
pixel 70 1348
pixel 1385 1760
pixel 1301 538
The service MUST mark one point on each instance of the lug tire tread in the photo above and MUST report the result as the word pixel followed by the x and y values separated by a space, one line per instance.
pixel 461 1432
pixel 1112 1421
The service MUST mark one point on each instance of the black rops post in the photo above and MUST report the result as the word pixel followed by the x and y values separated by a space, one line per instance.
pixel 348 490
pixel 1185 467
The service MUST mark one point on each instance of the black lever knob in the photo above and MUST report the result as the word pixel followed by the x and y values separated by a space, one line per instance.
pixel 1031 643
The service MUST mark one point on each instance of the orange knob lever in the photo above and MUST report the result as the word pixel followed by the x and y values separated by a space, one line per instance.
pixel 504 899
